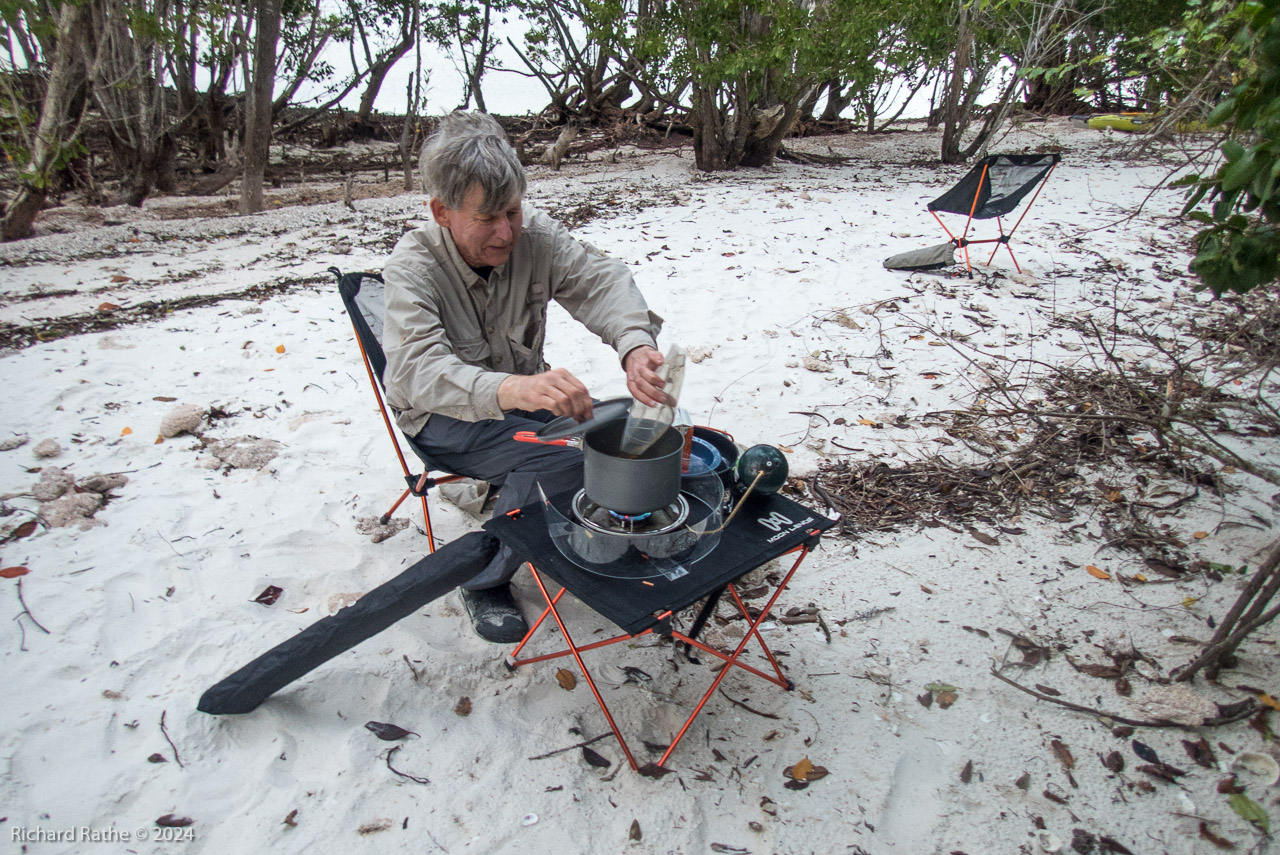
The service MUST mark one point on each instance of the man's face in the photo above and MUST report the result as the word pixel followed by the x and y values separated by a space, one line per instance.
pixel 483 240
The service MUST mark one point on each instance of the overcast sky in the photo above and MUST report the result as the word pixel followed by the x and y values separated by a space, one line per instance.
pixel 505 93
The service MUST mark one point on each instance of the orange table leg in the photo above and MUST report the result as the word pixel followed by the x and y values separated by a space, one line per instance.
pixel 753 630
pixel 731 660
pixel 583 667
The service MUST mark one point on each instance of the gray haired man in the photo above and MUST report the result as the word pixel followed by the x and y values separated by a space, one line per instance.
pixel 466 315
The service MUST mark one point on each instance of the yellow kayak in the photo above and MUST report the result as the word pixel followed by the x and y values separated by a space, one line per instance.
pixel 1132 123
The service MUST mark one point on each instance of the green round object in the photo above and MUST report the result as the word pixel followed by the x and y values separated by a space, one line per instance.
pixel 766 461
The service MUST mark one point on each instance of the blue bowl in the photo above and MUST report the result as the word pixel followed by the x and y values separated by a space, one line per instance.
pixel 723 444
pixel 704 458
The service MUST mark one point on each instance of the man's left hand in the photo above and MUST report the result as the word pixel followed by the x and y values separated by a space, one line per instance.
pixel 643 382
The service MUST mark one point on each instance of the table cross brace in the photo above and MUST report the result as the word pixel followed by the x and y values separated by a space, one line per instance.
pixel 733 659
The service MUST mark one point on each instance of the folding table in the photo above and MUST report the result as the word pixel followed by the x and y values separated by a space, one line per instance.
pixel 764 528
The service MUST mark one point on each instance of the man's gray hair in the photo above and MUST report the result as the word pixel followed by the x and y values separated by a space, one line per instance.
pixel 469 149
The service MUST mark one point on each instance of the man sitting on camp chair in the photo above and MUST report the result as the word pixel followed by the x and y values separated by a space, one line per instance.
pixel 466 313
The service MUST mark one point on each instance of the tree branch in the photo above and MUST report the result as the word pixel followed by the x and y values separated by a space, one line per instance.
pixel 1236 715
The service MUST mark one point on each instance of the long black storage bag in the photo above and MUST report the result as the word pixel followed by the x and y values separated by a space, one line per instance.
pixel 434 576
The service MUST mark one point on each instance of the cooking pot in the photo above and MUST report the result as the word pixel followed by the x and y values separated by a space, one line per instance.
pixel 624 485
pixel 634 485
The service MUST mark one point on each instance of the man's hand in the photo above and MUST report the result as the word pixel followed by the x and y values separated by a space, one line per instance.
pixel 643 381
pixel 556 390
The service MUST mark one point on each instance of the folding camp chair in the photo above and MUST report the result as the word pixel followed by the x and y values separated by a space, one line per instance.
pixel 993 189
pixel 768 527
pixel 362 295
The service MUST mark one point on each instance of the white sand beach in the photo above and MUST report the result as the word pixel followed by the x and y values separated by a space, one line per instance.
pixel 150 601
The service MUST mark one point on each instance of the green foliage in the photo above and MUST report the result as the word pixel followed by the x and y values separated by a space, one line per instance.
pixel 1240 247
pixel 461 23
pixel 1193 53
pixel 147 27
pixel 299 34
pixel 1131 53
pixel 763 49
pixel 30 174
pixel 39 19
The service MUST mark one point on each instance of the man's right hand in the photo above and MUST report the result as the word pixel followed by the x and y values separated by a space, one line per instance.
pixel 556 390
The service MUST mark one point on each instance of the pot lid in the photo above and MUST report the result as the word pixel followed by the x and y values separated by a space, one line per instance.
pixel 602 413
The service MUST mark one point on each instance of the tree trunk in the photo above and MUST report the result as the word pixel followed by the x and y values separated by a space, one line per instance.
pixel 748 136
pixel 708 153
pixel 1058 99
pixel 226 173
pixel 20 215
pixel 809 104
pixel 768 128
pixel 473 86
pixel 873 116
pixel 215 140
pixel 556 152
pixel 406 150
pixel 413 93
pixel 837 102
pixel 130 81
pixel 153 170
pixel 59 123
pixel 1037 43
pixel 377 74
pixel 935 111
pixel 257 136
pixel 617 94
pixel 482 57
pixel 954 118
pixel 317 37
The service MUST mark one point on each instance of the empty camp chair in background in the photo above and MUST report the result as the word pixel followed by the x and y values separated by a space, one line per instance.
pixel 992 190
pixel 362 295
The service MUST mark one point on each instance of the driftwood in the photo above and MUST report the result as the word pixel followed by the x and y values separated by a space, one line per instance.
pixel 210 184
pixel 790 156
pixel 556 152
pixel 1246 614
pixel 1232 713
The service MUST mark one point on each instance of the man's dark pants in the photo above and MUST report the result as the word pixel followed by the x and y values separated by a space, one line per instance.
pixel 485 450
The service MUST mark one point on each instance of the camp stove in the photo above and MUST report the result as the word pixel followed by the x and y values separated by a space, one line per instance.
pixel 658 521
pixel 664 541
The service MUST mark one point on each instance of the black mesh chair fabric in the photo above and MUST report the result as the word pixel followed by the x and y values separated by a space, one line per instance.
pixel 1007 179
pixel 362 294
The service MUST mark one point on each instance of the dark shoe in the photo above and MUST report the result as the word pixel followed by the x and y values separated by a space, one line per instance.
pixel 494 614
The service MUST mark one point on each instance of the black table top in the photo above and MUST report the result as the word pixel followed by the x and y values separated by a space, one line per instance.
pixel 764 528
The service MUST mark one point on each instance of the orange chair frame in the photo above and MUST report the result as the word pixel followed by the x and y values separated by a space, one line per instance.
pixel 963 241
pixel 417 485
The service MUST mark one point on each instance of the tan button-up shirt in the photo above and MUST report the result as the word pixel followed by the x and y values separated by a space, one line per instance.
pixel 451 337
